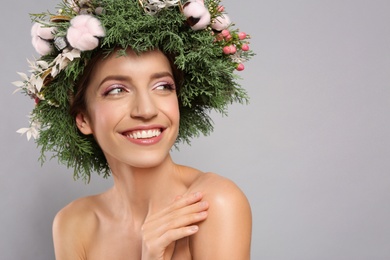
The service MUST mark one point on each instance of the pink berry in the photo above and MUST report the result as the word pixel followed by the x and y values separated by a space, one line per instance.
pixel 221 9
pixel 226 50
pixel 225 33
pixel 240 67
pixel 229 37
pixel 219 37
pixel 242 35
pixel 233 49
pixel 245 47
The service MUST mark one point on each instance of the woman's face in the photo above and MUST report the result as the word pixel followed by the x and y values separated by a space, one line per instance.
pixel 132 108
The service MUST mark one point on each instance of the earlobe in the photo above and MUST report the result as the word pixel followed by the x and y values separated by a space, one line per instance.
pixel 83 124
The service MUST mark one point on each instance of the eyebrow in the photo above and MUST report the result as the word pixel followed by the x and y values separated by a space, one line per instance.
pixel 156 75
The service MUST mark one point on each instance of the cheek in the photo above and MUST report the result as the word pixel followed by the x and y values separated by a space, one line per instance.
pixel 172 109
pixel 103 115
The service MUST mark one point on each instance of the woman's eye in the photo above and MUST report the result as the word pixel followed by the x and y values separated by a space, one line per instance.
pixel 115 90
pixel 166 86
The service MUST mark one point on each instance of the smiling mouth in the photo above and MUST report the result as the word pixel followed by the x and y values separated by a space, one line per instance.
pixel 144 134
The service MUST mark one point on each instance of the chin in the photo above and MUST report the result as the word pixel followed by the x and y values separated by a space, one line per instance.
pixel 140 159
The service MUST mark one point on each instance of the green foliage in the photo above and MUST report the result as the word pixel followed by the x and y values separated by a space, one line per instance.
pixel 209 79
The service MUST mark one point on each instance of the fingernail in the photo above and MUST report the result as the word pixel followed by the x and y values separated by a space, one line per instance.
pixel 194 228
pixel 203 213
pixel 203 204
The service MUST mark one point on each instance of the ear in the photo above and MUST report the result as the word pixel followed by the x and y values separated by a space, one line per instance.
pixel 83 124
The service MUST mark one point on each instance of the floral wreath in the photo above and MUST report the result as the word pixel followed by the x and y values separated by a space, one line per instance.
pixel 206 47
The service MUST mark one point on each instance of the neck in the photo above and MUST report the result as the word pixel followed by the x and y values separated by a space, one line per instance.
pixel 139 191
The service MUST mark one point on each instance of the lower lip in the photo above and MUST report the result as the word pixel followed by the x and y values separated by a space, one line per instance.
pixel 145 141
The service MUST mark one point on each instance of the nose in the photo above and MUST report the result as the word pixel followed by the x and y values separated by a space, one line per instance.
pixel 144 106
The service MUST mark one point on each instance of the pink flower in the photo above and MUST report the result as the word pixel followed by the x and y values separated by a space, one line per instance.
pixel 41 37
pixel 84 32
pixel 220 23
pixel 198 16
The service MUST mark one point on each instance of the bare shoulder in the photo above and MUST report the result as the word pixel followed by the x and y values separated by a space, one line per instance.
pixel 76 212
pixel 219 189
pixel 226 233
pixel 222 193
pixel 72 226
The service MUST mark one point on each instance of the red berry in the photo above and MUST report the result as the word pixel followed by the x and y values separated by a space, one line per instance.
pixel 226 50
pixel 240 67
pixel 233 49
pixel 242 35
pixel 245 47
pixel 219 37
pixel 225 33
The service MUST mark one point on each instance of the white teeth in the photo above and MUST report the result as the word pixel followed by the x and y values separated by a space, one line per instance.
pixel 144 134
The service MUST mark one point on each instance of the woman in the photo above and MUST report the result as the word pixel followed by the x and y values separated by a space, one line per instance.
pixel 127 105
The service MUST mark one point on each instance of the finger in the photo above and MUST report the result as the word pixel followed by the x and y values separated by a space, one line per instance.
pixel 181 202
pixel 190 209
pixel 154 247
pixel 176 234
pixel 161 228
pixel 178 219
pixel 185 200
pixel 182 221
pixel 177 198
pixel 163 217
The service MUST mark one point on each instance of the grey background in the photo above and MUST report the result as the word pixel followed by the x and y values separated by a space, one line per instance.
pixel 311 151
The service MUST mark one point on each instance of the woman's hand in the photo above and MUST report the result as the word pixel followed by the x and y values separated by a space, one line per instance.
pixel 161 230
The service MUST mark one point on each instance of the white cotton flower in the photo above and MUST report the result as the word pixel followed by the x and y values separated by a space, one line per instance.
pixel 221 23
pixel 198 15
pixel 84 32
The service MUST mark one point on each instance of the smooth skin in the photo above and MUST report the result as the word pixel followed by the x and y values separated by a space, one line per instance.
pixel 156 210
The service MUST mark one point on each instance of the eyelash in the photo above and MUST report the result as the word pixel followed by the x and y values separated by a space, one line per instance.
pixel 112 88
pixel 167 86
